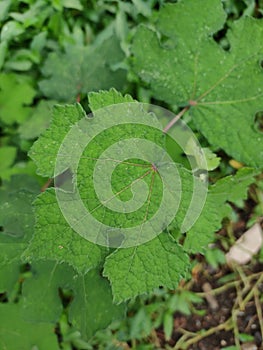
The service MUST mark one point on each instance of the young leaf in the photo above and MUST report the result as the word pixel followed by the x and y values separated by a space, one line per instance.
pixel 222 90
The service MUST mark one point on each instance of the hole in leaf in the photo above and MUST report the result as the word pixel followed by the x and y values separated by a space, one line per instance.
pixel 159 4
pixel 261 63
pixel 259 121
pixel 25 268
pixel 167 42
pixel 221 38
pixel 3 298
pixel 66 296
pixel 236 8
pixel 258 9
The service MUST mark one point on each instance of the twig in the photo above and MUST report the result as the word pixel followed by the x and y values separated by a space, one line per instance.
pixel 179 345
pixel 259 312
pixel 46 185
pixel 175 119
pixel 209 296
pixel 235 328
pixel 203 334
pixel 184 342
pixel 228 285
pixel 252 291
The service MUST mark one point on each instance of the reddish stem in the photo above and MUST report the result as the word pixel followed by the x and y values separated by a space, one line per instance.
pixel 175 119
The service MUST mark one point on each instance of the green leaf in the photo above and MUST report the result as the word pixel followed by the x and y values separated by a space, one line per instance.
pixel 140 325
pixel 10 30
pixel 38 121
pixel 131 271
pixel 10 264
pixel 16 216
pixel 138 270
pixel 82 69
pixel 228 189
pixel 168 325
pixel 102 99
pixel 21 60
pixel 183 65
pixel 41 299
pixel 215 257
pixel 16 333
pixel 34 16
pixel 45 149
pixel 93 297
pixel 3 51
pixel 17 220
pixel 38 42
pixel 58 241
pixel 142 7
pixel 7 157
pixel 246 337
pixel 180 302
pixel 15 95
pixel 22 167
pixel 90 293
pixel 4 7
pixel 54 239
pixel 73 4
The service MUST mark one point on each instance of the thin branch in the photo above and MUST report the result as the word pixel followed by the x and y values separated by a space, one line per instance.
pixel 259 312
pixel 175 119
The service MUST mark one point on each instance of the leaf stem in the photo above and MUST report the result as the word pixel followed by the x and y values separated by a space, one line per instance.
pixel 46 185
pixel 175 119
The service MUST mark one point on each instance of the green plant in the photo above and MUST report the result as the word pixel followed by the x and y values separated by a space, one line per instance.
pixel 215 88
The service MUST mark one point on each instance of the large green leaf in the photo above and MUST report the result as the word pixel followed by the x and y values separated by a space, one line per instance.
pixel 138 269
pixel 82 69
pixel 40 292
pixel 17 221
pixel 93 297
pixel 184 66
pixel 91 307
pixel 15 333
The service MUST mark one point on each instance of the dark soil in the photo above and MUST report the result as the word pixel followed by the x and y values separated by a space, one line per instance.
pixel 247 320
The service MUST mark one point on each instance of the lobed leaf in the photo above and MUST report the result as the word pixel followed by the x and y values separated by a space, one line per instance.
pixel 184 66
pixel 82 69
pixel 138 270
